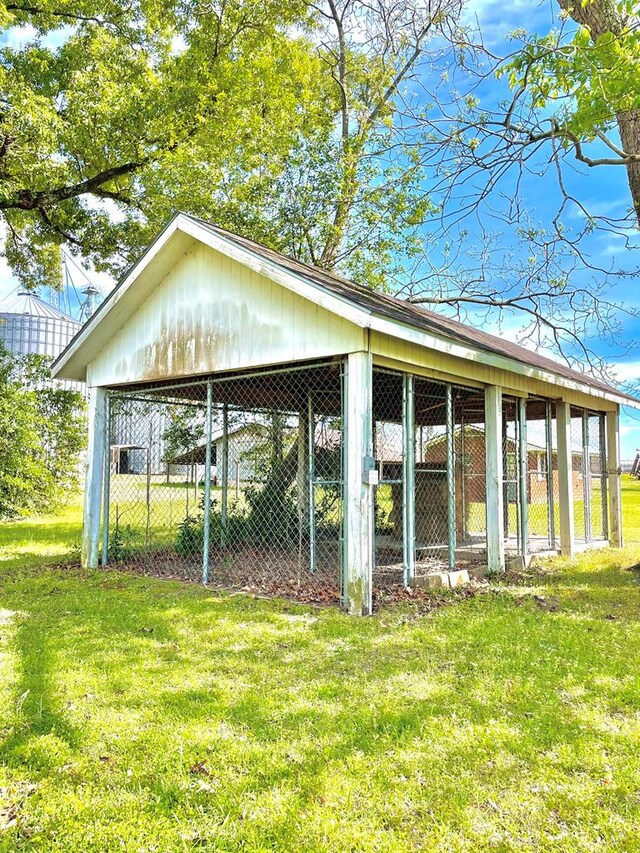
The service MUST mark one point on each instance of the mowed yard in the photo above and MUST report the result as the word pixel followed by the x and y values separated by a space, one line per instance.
pixel 147 715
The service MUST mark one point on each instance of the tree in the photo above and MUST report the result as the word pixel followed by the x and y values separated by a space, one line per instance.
pixel 132 104
pixel 597 74
pixel 222 110
pixel 489 252
pixel 352 198
pixel 42 433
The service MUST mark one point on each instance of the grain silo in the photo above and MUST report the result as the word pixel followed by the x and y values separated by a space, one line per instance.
pixel 28 324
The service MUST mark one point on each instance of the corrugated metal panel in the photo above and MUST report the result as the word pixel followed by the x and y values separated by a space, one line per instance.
pixel 24 302
pixel 396 353
pixel 210 314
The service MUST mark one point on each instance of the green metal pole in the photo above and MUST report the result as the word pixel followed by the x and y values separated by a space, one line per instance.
pixel 224 475
pixel 310 477
pixel 344 378
pixel 451 481
pixel 408 479
pixel 522 475
pixel 551 521
pixel 207 489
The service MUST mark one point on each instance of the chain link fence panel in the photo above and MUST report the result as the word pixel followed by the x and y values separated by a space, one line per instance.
pixel 237 480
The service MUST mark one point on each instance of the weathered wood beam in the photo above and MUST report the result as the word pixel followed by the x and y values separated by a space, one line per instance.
pixel 96 451
pixel 565 479
pixel 494 486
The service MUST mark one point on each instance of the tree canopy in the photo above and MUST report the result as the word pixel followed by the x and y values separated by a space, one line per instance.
pixel 320 128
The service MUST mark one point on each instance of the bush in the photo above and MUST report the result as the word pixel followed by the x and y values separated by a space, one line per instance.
pixel 42 432
pixel 190 536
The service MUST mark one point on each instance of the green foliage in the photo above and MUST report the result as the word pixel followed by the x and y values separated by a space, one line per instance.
pixel 124 541
pixel 185 430
pixel 138 714
pixel 273 514
pixel 238 527
pixel 190 537
pixel 42 433
pixel 258 116
pixel 144 104
pixel 584 82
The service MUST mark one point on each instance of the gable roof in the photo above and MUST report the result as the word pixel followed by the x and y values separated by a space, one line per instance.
pixel 362 306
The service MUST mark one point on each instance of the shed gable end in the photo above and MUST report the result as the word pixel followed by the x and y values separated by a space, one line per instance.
pixel 211 313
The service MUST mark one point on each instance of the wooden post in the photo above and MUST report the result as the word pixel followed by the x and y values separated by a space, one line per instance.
pixel 586 475
pixel 106 494
pixel 565 479
pixel 616 538
pixel 494 485
pixel 93 477
pixel 359 526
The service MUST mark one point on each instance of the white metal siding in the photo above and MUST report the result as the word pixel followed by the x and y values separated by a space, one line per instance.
pixel 211 313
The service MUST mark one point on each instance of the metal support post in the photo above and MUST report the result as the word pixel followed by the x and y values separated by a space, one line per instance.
pixel 463 480
pixel 408 478
pixel 224 475
pixel 523 526
pixel 451 482
pixel 206 531
pixel 310 478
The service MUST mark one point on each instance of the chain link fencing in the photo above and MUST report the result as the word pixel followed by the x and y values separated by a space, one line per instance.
pixel 589 464
pixel 430 501
pixel 239 480
pixel 236 480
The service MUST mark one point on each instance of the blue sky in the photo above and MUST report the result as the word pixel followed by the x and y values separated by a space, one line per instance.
pixel 602 189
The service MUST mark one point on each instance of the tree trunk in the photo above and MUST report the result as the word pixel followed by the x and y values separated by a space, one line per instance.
pixel 600 17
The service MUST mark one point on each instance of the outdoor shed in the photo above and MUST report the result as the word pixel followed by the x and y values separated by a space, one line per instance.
pixel 348 438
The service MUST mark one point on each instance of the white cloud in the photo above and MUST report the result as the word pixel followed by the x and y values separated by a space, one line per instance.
pixel 626 371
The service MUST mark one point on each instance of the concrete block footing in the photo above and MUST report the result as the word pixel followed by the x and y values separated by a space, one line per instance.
pixel 442 580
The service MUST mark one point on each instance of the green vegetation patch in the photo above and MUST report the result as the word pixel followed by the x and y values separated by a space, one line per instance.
pixel 140 714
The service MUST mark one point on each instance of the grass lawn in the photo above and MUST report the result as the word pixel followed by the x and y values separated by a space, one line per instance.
pixel 145 715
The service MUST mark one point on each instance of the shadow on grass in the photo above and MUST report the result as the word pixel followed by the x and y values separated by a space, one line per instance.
pixel 298 694
pixel 41 734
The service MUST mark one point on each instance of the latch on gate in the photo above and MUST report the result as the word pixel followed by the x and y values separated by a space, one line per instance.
pixel 369 471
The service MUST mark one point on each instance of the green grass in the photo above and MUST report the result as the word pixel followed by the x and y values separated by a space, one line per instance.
pixel 145 715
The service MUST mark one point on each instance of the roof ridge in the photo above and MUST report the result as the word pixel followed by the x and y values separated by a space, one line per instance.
pixel 439 323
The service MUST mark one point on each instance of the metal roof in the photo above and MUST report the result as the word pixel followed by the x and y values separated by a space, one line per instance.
pixel 360 304
pixel 24 302
pixel 402 311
